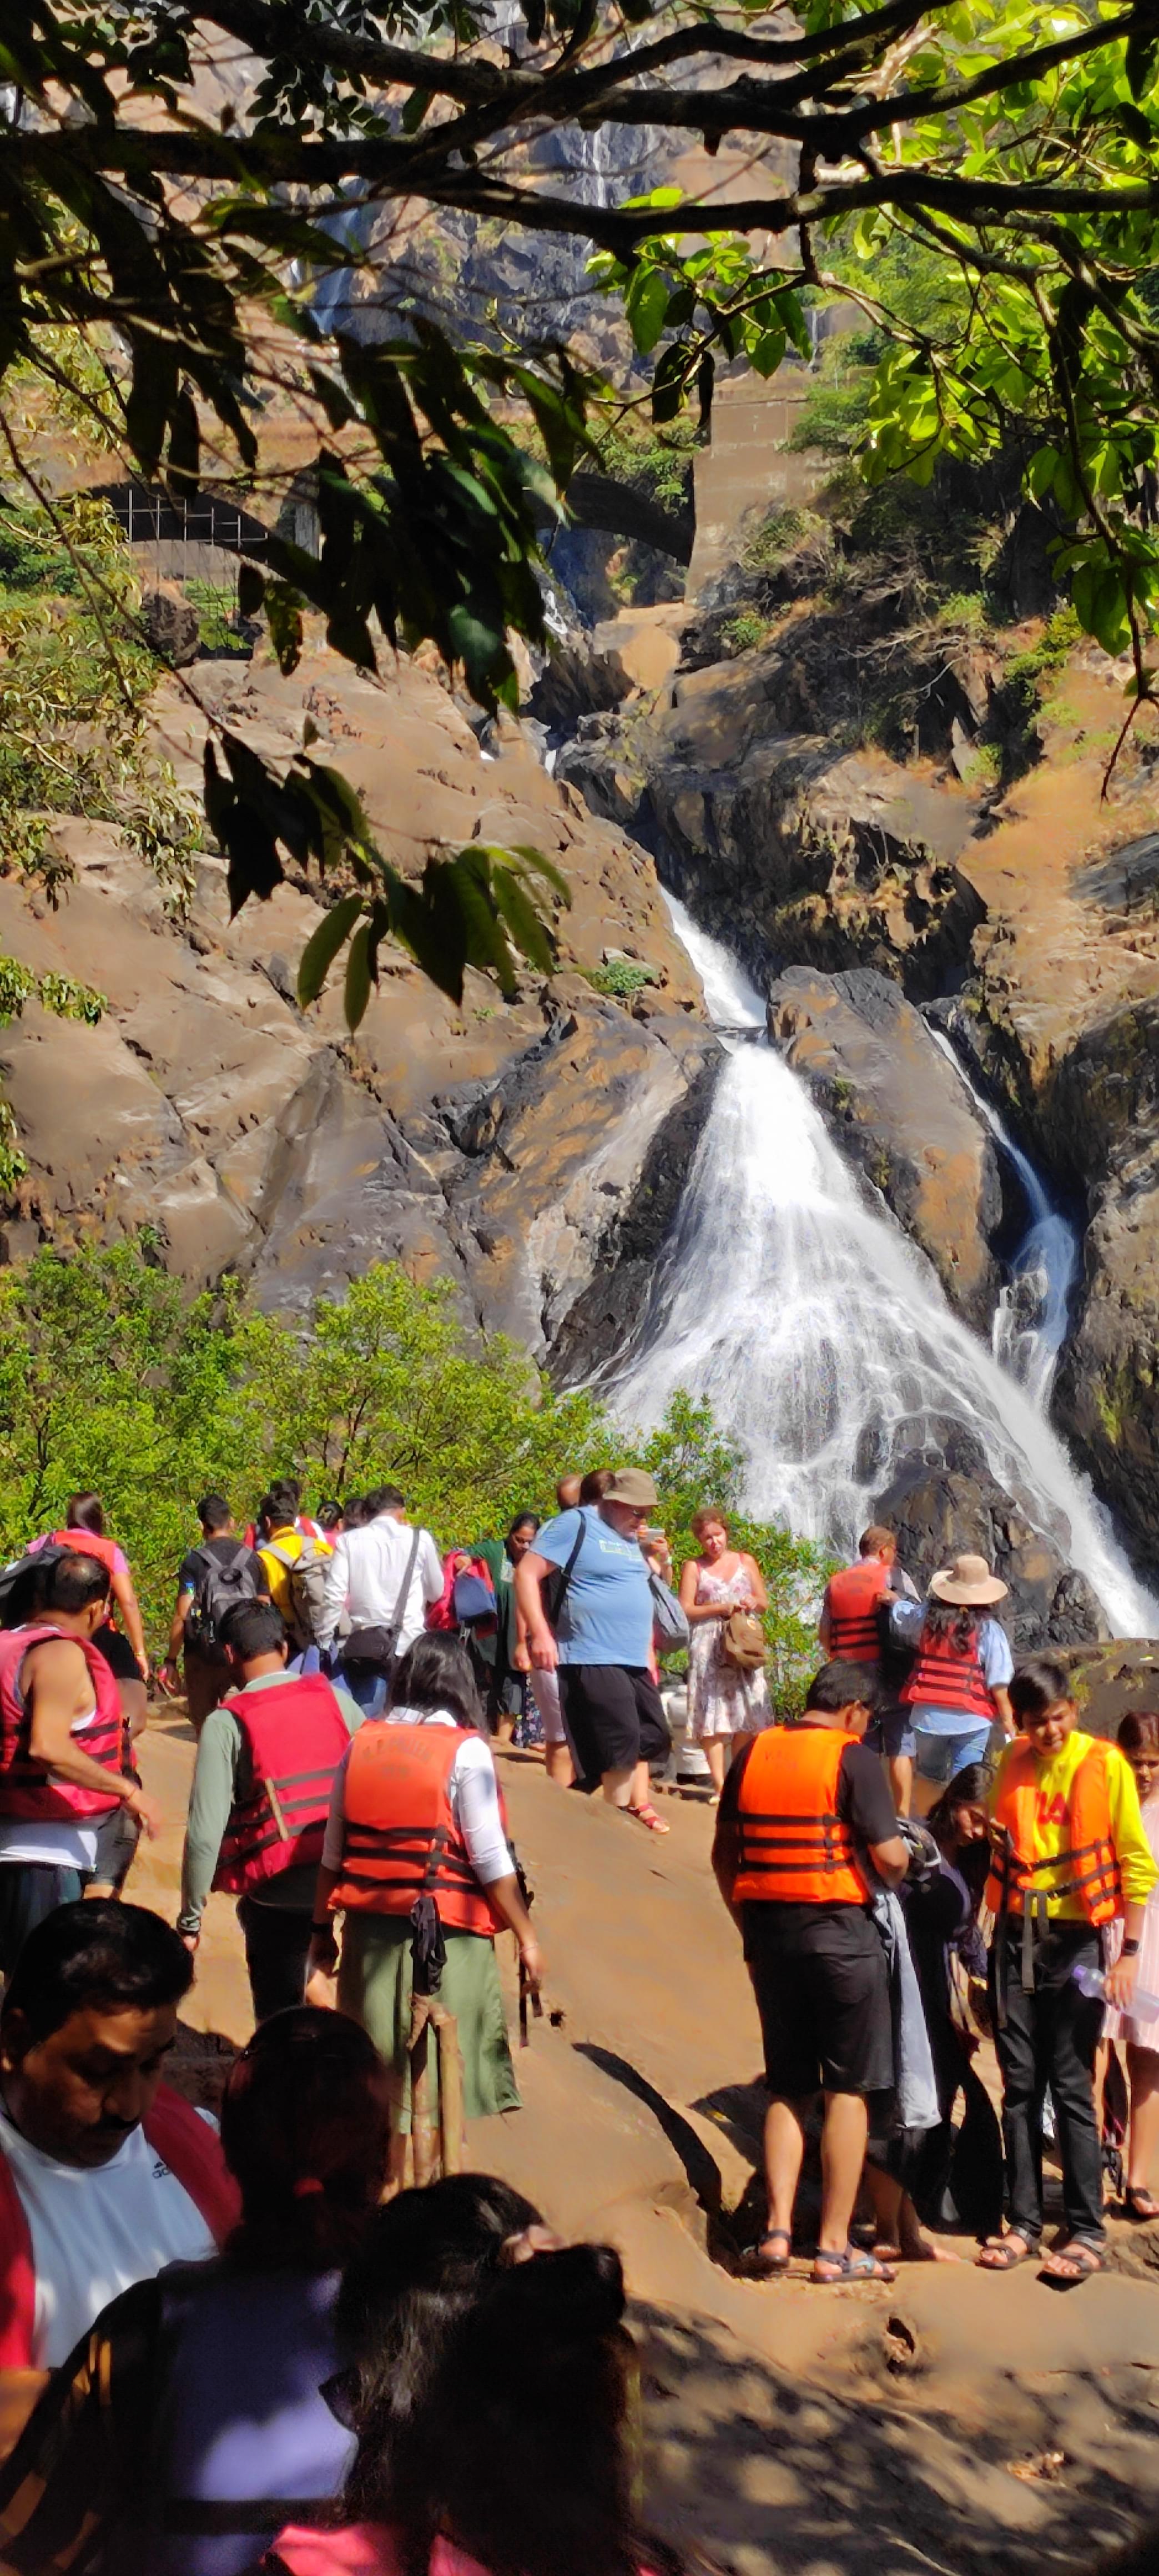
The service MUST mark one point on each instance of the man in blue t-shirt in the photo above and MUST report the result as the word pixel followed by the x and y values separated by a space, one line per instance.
pixel 602 1641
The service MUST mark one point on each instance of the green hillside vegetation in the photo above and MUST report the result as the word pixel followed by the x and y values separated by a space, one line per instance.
pixel 111 1379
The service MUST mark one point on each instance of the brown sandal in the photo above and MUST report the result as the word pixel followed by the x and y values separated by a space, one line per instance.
pixel 1005 2253
pixel 1083 2260
pixel 1139 2203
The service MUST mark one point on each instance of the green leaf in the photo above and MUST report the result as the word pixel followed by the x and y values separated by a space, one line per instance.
pixel 415 110
pixel 766 350
pixel 356 995
pixel 323 945
pixel 1041 472
pixel 646 306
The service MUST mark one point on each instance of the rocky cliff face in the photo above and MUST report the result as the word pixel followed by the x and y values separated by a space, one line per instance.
pixel 1034 908
pixel 496 1144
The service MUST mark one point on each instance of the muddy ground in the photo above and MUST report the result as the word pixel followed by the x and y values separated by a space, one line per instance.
pixel 954 2421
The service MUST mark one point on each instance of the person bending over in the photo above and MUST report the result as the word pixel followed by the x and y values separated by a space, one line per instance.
pixel 803 1807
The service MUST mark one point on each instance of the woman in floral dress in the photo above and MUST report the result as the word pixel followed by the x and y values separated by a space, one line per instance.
pixel 723 1699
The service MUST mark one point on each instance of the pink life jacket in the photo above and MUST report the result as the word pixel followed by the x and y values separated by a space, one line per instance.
pixel 295 1736
pixel 184 2142
pixel 28 1788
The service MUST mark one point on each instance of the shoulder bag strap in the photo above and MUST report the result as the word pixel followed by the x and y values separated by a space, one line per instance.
pixel 398 1613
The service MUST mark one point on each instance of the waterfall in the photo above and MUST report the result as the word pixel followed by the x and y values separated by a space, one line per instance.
pixel 821 1335
pixel 1030 1319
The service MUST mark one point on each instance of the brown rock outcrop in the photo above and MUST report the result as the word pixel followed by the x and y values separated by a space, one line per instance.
pixel 937 1511
pixel 900 1112
pixel 496 1144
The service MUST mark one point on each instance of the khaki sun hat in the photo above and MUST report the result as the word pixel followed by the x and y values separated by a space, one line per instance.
pixel 631 1485
pixel 969 1582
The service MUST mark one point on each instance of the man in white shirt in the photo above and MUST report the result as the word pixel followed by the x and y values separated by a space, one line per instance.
pixel 380 1578
pixel 105 2175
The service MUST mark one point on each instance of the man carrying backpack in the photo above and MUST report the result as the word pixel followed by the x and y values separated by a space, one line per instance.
pixel 296 1565
pixel 212 1579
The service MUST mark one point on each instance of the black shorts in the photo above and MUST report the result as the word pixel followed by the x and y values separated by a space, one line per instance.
pixel 822 1988
pixel 614 1718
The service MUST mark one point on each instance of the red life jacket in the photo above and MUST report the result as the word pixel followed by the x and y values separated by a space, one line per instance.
pixel 401 1839
pixel 192 2151
pixel 950 1676
pixel 793 1849
pixel 28 1788
pixel 295 1736
pixel 851 1600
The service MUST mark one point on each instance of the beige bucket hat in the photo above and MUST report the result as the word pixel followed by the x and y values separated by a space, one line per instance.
pixel 969 1582
pixel 631 1485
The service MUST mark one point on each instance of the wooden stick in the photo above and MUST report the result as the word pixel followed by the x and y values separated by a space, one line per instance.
pixel 450 2091
pixel 420 2106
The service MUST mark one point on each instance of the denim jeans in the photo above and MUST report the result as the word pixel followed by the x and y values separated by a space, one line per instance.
pixel 941 1757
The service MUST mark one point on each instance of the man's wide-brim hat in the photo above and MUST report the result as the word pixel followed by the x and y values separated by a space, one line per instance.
pixel 968 1582
pixel 631 1485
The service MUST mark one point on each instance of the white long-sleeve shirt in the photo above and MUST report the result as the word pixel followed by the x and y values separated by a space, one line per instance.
pixel 473 1791
pixel 365 1577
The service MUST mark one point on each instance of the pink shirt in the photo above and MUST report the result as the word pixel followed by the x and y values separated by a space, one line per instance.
pixel 364 2549
pixel 86 1543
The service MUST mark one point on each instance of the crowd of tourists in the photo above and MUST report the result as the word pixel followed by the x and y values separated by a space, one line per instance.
pixel 239 2346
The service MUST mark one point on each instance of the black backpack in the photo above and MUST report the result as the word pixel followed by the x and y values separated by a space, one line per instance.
pixel 221 1584
pixel 23 1585
pixel 897 1655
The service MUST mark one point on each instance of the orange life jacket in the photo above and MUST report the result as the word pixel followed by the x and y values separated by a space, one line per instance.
pixel 295 1736
pixel 1087 1865
pixel 851 1600
pixel 29 1789
pixel 794 1849
pixel 947 1675
pixel 401 1840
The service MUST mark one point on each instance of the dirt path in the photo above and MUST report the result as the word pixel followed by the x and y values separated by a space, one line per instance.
pixel 952 2422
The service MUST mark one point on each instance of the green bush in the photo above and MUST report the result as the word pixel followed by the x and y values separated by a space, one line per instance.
pixel 621 977
pixel 112 1378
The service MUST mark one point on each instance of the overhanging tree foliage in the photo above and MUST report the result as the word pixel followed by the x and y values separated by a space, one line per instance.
pixel 1019 148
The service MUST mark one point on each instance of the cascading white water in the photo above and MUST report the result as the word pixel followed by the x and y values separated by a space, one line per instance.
pixel 1030 1318
pixel 820 1334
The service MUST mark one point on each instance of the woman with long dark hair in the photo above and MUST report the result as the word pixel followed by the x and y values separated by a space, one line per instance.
pixel 957 1690
pixel 489 2385
pixel 417 1859
pixel 174 2435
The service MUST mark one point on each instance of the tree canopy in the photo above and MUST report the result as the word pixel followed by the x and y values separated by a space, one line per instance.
pixel 111 1379
pixel 179 243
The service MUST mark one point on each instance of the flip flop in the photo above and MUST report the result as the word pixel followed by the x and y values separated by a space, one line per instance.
pixel 1085 2259
pixel 1004 2254
pixel 853 2265
pixel 1139 2203
pixel 648 1816
pixel 759 2266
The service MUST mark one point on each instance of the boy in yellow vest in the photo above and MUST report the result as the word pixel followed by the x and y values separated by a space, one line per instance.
pixel 1069 1854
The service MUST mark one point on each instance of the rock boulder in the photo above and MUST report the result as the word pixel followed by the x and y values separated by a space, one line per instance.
pixel 498 1144
pixel 942 1510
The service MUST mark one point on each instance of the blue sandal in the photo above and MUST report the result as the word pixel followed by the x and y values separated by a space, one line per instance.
pixel 852 2265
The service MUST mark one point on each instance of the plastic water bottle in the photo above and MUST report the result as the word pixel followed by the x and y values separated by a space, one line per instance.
pixel 1092 1982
